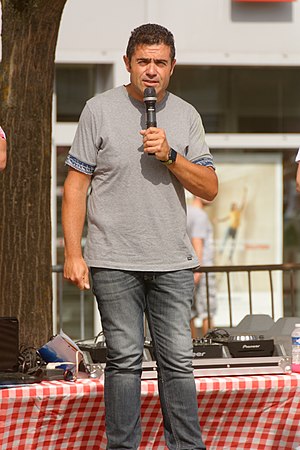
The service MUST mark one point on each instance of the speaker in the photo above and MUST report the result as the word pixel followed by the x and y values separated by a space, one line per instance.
pixel 281 332
pixel 9 343
pixel 283 326
pixel 258 323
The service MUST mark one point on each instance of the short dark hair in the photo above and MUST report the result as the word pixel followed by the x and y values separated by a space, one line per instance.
pixel 150 34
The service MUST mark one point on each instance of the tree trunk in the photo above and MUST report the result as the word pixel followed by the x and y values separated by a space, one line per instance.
pixel 29 35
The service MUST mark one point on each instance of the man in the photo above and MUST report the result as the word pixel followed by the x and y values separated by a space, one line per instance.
pixel 137 249
pixel 2 150
pixel 200 231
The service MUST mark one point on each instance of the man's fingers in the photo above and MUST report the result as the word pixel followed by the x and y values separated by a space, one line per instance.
pixel 86 283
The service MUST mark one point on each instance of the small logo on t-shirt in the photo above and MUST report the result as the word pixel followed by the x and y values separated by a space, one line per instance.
pixel 189 258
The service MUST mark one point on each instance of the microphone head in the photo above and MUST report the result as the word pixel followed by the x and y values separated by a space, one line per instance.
pixel 150 94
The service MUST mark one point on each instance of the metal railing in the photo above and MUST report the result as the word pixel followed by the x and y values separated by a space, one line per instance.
pixel 289 272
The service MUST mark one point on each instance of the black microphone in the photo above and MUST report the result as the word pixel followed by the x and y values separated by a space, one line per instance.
pixel 150 102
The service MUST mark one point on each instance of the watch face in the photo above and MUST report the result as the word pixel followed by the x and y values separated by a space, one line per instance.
pixel 172 155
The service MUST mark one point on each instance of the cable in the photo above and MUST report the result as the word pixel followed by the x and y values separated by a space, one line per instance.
pixel 30 361
pixel 217 334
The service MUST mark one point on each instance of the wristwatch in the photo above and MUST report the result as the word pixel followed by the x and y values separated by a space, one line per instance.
pixel 171 157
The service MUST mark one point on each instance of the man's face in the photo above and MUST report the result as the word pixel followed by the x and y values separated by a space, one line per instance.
pixel 150 66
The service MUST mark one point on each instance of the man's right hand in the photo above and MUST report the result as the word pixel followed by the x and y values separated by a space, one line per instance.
pixel 76 271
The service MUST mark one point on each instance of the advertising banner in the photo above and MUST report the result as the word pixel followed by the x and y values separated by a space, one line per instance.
pixel 248 225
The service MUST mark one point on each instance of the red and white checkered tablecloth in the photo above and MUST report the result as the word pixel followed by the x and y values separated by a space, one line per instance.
pixel 238 412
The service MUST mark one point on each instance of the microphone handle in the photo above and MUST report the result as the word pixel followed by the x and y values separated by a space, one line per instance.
pixel 151 117
pixel 151 122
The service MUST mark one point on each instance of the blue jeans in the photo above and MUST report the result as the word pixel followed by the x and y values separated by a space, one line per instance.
pixel 166 298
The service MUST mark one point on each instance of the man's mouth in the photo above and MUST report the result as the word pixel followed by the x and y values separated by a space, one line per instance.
pixel 150 82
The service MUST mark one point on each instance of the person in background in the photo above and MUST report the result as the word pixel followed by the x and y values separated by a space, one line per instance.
pixel 2 150
pixel 298 171
pixel 200 231
pixel 234 219
pixel 137 249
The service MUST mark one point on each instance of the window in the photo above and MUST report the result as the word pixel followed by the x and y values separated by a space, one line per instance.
pixel 74 85
pixel 242 99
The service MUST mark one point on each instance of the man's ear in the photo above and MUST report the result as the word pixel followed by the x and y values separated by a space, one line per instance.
pixel 127 63
pixel 173 66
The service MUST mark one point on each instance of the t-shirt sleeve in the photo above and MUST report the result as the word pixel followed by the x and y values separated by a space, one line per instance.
pixel 198 151
pixel 298 156
pixel 83 153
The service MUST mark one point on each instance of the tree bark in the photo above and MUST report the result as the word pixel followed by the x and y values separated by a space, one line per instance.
pixel 29 36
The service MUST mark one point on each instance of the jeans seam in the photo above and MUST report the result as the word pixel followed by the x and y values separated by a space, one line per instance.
pixel 161 373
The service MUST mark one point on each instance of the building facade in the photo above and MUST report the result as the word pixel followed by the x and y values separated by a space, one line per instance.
pixel 238 63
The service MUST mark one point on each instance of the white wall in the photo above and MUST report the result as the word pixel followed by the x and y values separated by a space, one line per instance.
pixel 206 31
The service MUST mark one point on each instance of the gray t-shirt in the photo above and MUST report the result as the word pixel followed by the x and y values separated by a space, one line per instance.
pixel 136 206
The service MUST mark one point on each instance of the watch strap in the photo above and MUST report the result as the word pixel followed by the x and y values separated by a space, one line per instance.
pixel 171 157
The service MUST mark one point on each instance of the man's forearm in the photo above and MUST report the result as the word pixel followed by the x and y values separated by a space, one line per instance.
pixel 199 180
pixel 74 212
pixel 73 216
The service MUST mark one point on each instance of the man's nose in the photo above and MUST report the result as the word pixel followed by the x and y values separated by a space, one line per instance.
pixel 151 69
